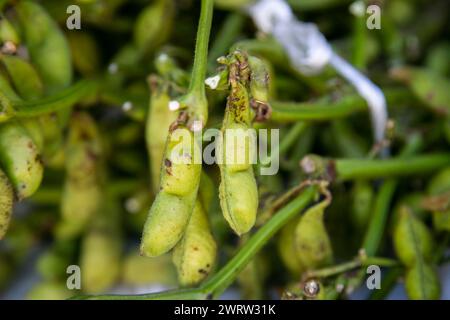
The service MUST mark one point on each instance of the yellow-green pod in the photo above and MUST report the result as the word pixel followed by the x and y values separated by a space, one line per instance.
pixel 173 205
pixel 312 243
pixel 50 290
pixel 181 164
pixel 239 199
pixel 138 270
pixel 362 202
pixel 259 79
pixel 252 278
pixel 412 239
pixel 195 254
pixel 422 282
pixel 52 265
pixel 48 48
pixel 7 31
pixel 430 87
pixel 24 77
pixel 6 203
pixel 101 250
pixel 85 52
pixel 159 119
pixel 287 249
pixel 82 193
pixel 154 25
pixel 7 97
pixel 34 129
pixel 166 223
pixel 238 191
pixel 20 159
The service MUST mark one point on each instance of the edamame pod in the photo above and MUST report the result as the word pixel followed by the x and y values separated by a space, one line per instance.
pixel 194 255
pixel 311 238
pixel 20 159
pixel 82 193
pixel 159 119
pixel 8 32
pixel 85 52
pixel 173 205
pixel 238 191
pixel 138 270
pixel 287 248
pixel 6 203
pixel 154 24
pixel 49 50
pixel 24 77
pixel 362 203
pixel 50 290
pixel 101 249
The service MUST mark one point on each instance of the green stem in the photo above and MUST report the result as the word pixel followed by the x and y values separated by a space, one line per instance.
pixel 197 84
pixel 328 110
pixel 350 265
pixel 348 169
pixel 59 101
pixel 383 200
pixel 215 286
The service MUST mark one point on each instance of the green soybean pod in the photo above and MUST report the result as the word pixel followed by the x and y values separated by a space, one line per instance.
pixel 82 191
pixel 195 254
pixel 154 25
pixel 138 270
pixel 50 290
pixel 85 52
pixel 287 248
pixel 24 77
pixel 412 239
pixel 159 119
pixel 312 243
pixel 101 248
pixel 174 203
pixel 259 79
pixel 362 204
pixel 7 31
pixel 422 282
pixel 20 159
pixel 439 186
pixel 238 191
pixel 6 203
pixel 48 48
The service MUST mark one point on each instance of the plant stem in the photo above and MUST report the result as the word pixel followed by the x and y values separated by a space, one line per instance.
pixel 328 110
pixel 58 101
pixel 197 85
pixel 350 265
pixel 215 286
pixel 348 169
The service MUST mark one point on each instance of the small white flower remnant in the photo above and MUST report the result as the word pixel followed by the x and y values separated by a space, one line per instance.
pixel 357 8
pixel 127 106
pixel 113 68
pixel 174 105
pixel 213 82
